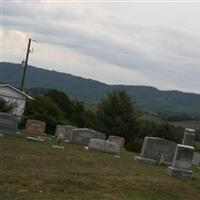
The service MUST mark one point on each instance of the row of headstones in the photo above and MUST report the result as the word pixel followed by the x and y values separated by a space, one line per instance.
pixel 179 157
pixel 87 137
pixel 93 139
pixel 84 136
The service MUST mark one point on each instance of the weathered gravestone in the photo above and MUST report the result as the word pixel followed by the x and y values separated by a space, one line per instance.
pixel 104 146
pixel 35 126
pixel 118 140
pixel 65 131
pixel 196 159
pixel 155 150
pixel 189 137
pixel 182 163
pixel 8 123
pixel 83 136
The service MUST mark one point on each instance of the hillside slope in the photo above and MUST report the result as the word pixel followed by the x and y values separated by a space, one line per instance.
pixel 92 91
pixel 36 171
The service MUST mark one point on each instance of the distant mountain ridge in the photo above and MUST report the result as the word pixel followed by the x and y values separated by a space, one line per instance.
pixel 93 91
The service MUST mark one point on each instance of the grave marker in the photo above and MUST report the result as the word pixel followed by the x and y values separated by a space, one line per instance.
pixel 8 123
pixel 35 126
pixel 189 137
pixel 156 150
pixel 83 135
pixel 103 146
pixel 182 163
pixel 65 130
pixel 118 140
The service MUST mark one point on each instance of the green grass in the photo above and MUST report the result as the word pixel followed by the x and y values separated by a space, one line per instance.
pixel 33 170
pixel 187 124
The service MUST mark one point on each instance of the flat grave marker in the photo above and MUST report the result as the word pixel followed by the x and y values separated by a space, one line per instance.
pixel 35 139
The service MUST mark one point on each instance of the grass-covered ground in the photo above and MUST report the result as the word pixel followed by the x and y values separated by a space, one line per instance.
pixel 33 170
pixel 187 124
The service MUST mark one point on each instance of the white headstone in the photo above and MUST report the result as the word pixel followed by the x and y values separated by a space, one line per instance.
pixel 182 163
pixel 189 137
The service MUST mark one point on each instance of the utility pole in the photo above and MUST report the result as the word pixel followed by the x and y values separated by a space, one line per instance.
pixel 26 65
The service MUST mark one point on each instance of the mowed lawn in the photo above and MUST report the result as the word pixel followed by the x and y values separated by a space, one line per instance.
pixel 33 170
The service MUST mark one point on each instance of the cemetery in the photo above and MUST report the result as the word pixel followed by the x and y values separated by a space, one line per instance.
pixel 65 173
pixel 175 166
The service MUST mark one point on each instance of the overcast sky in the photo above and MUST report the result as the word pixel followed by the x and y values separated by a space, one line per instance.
pixel 132 43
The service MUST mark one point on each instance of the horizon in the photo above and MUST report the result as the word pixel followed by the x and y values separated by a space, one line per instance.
pixel 154 44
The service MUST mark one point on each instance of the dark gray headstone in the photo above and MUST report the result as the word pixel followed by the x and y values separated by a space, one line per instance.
pixel 8 123
pixel 182 163
pixel 104 146
pixel 156 149
pixel 83 136
pixel 189 137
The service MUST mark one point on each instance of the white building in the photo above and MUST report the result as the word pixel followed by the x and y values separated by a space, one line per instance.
pixel 13 95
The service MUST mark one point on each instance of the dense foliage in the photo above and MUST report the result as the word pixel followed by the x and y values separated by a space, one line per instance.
pixel 6 107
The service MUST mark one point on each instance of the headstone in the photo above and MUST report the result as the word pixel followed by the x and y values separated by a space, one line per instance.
pixel 64 130
pixel 155 150
pixel 189 137
pixel 8 123
pixel 35 126
pixel 83 135
pixel 103 146
pixel 196 159
pixel 182 163
pixel 118 140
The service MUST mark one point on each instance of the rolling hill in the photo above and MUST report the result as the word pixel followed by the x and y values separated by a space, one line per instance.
pixel 88 90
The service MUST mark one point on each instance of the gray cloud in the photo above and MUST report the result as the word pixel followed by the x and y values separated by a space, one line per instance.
pixel 165 55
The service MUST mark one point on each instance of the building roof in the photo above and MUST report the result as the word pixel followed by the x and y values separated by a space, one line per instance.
pixel 17 90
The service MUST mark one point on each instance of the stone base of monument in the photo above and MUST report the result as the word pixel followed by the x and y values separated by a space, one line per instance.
pixel 151 161
pixel 186 174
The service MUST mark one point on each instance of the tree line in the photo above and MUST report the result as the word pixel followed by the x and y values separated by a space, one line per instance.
pixel 116 114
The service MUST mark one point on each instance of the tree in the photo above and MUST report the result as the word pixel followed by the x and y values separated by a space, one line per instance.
pixel 6 107
pixel 62 100
pixel 117 115
pixel 43 108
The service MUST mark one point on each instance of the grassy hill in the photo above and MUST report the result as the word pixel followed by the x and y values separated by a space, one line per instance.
pixel 187 124
pixel 35 171
pixel 151 99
